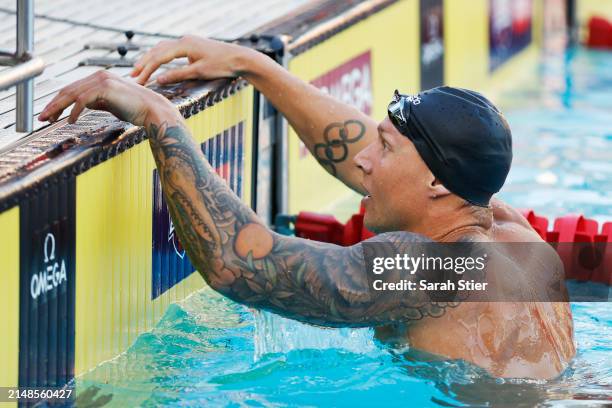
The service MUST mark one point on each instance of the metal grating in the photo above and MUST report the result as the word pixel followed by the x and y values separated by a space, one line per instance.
pixel 63 27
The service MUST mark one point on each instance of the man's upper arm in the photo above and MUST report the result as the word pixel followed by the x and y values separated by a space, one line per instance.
pixel 332 130
pixel 338 144
pixel 364 304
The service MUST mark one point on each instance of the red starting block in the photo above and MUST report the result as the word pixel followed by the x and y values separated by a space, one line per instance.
pixel 365 233
pixel 539 224
pixel 606 233
pixel 353 230
pixel 599 33
pixel 603 242
pixel 319 227
pixel 575 228
pixel 576 235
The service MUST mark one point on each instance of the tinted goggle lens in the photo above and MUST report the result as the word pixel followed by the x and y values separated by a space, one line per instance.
pixel 397 111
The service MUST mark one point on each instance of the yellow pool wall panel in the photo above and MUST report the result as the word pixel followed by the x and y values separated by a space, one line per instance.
pixel 589 8
pixel 9 297
pixel 310 187
pixel 114 235
pixel 467 50
pixel 466 43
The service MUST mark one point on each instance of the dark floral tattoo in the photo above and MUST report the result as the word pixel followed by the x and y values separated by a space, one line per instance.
pixel 241 258
pixel 337 137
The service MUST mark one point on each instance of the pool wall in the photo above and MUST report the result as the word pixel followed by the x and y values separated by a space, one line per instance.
pixel 92 260
pixel 133 265
pixel 88 257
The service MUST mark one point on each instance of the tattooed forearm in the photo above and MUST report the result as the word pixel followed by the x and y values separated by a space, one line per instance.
pixel 337 137
pixel 241 258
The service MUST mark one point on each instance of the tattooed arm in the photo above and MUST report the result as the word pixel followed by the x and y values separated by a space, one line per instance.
pixel 241 258
pixel 333 131
pixel 233 250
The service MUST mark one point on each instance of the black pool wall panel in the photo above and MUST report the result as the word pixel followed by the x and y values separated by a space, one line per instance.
pixel 47 286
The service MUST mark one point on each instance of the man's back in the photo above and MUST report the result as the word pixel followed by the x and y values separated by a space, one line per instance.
pixel 508 339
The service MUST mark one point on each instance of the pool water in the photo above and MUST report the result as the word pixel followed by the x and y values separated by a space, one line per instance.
pixel 562 137
pixel 210 351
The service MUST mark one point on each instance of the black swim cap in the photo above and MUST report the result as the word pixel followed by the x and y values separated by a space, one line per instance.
pixel 461 136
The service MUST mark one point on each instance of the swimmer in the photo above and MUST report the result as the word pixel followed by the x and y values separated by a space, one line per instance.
pixel 428 172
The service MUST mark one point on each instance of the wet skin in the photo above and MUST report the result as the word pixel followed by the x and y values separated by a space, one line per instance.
pixel 520 339
pixel 508 339
pixel 320 283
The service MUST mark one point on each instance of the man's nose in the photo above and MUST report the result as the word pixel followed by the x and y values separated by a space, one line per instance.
pixel 362 161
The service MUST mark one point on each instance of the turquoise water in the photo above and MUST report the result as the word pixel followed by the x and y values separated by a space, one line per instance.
pixel 209 351
pixel 562 137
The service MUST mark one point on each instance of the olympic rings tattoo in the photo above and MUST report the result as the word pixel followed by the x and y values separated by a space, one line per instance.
pixel 335 149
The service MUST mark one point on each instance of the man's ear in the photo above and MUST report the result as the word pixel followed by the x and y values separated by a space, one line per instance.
pixel 437 189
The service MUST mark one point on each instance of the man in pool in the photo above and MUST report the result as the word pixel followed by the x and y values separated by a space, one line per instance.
pixel 428 172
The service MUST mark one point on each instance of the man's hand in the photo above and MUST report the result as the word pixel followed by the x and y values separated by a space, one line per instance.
pixel 325 125
pixel 105 91
pixel 208 59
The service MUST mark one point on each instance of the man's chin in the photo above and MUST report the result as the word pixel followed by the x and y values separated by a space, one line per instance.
pixel 374 227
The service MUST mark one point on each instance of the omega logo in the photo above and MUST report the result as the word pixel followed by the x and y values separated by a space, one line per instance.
pixel 53 273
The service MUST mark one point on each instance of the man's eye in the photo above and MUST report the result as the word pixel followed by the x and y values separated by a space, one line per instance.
pixel 385 145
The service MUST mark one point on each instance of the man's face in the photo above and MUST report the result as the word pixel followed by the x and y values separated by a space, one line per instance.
pixel 396 179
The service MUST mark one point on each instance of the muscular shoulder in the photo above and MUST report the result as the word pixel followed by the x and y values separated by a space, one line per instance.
pixel 503 212
pixel 510 225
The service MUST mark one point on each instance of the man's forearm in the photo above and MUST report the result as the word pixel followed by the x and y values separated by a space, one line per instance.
pixel 234 252
pixel 333 131
pixel 206 214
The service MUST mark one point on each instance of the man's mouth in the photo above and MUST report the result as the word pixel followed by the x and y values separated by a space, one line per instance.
pixel 367 196
pixel 365 190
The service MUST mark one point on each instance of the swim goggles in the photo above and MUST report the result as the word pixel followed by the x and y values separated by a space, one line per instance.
pixel 399 110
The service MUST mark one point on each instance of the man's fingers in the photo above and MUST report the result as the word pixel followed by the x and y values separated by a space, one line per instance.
pixel 136 70
pixel 178 74
pixel 146 57
pixel 109 92
pixel 66 97
pixel 85 99
pixel 146 72
pixel 162 53
pixel 140 64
